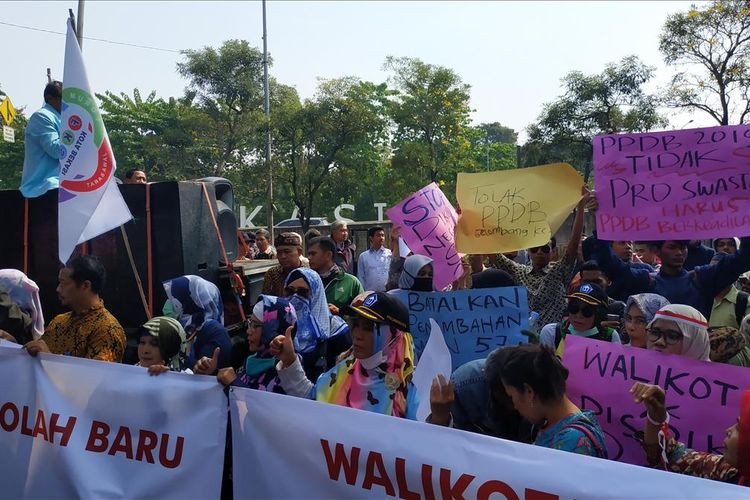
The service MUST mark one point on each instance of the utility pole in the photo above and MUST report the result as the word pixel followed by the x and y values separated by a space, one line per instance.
pixel 267 109
pixel 79 24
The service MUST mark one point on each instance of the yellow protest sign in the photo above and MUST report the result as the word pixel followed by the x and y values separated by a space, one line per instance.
pixel 508 210
pixel 7 111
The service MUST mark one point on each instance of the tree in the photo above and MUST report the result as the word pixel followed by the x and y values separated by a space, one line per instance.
pixel 497 133
pixel 610 102
pixel 227 84
pixel 12 153
pixel 431 113
pixel 717 40
pixel 333 135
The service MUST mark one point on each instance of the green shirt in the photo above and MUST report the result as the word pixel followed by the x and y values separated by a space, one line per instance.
pixel 722 312
pixel 342 289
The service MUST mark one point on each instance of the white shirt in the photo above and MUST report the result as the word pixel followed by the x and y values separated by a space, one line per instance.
pixel 373 267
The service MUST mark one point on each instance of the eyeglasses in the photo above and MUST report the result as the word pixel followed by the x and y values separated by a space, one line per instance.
pixel 254 324
pixel 636 321
pixel 671 337
pixel 302 292
pixel 545 249
pixel 587 311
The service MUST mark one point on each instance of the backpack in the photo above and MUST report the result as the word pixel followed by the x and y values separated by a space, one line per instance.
pixel 741 306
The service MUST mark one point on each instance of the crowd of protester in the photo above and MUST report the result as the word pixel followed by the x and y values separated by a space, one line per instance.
pixel 327 328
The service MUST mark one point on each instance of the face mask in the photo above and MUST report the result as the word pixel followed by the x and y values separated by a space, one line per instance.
pixel 422 285
pixel 587 333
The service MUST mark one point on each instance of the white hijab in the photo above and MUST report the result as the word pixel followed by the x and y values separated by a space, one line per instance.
pixel 694 328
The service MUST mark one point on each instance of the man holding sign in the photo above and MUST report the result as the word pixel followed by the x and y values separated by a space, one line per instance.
pixel 547 283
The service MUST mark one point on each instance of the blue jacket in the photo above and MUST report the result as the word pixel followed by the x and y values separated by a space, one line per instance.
pixel 698 256
pixel 41 161
pixel 696 288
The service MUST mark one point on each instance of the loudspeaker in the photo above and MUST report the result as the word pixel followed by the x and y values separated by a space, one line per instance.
pixel 225 217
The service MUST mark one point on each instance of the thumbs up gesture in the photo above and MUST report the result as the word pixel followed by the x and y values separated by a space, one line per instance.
pixel 282 348
pixel 208 366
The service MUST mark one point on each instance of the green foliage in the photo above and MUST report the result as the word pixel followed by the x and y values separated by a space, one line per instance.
pixel 495 132
pixel 712 44
pixel 11 153
pixel 612 101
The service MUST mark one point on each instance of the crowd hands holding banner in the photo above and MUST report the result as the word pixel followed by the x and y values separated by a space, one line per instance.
pixel 337 330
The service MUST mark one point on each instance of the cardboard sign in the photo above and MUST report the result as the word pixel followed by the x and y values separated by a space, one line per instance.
pixel 508 210
pixel 473 322
pixel 681 184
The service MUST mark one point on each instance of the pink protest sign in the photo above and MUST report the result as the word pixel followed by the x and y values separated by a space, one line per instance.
pixel 428 224
pixel 682 184
pixel 703 398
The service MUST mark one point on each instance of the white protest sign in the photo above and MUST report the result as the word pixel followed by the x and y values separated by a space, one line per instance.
pixel 285 447
pixel 436 360
pixel 76 428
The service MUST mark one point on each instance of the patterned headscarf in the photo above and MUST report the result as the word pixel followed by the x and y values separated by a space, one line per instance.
pixel 694 328
pixel 382 389
pixel 315 323
pixel 412 265
pixel 276 313
pixel 171 338
pixel 194 301
pixel 25 294
pixel 647 303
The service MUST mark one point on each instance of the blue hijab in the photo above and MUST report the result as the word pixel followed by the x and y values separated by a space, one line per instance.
pixel 648 303
pixel 315 323
pixel 194 301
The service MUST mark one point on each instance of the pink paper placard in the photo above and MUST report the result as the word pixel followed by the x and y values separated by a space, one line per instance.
pixel 703 399
pixel 428 224
pixel 681 184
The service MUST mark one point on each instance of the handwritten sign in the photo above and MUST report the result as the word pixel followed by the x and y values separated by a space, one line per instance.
pixel 428 222
pixel 703 398
pixel 682 184
pixel 473 322
pixel 509 210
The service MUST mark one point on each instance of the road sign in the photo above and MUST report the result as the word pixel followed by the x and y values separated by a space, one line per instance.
pixel 7 111
pixel 9 135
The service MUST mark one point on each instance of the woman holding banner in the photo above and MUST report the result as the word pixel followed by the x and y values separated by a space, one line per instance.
pixel 732 467
pixel 534 378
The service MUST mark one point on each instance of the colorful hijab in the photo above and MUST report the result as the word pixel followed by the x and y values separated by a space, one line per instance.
pixel 380 383
pixel 25 294
pixel 315 323
pixel 412 266
pixel 647 303
pixel 277 314
pixel 694 328
pixel 194 301
pixel 171 338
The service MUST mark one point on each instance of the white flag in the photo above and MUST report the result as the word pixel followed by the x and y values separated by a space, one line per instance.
pixel 435 360
pixel 89 201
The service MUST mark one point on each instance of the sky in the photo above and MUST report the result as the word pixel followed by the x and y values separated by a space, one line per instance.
pixel 513 54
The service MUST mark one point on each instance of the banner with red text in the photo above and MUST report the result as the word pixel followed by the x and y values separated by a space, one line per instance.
pixel 76 428
pixel 286 447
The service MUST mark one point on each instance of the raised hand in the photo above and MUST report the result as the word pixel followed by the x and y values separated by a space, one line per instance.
pixel 441 400
pixel 282 348
pixel 653 397
pixel 208 366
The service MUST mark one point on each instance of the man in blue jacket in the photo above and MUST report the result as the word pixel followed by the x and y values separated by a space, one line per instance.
pixel 41 167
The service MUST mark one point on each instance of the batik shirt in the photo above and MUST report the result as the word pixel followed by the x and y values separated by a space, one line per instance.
pixel 546 287
pixel 578 433
pixel 95 334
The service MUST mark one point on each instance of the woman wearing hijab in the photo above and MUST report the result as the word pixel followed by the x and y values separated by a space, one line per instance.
pixel 376 373
pixel 679 329
pixel 161 345
pixel 197 305
pixel 639 312
pixel 417 274
pixel 270 318
pixel 731 467
pixel 25 321
pixel 316 325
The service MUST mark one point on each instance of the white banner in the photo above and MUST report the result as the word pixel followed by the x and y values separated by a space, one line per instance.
pixel 89 201
pixel 76 428
pixel 286 447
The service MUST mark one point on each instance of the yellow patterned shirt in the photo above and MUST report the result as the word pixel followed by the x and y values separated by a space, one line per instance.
pixel 95 334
